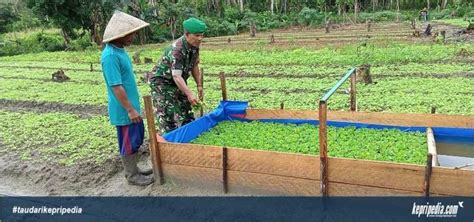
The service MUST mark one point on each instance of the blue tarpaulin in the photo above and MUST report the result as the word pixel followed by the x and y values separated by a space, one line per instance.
pixel 235 110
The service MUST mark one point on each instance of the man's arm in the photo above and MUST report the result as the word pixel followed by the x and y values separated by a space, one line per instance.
pixel 178 79
pixel 120 94
pixel 196 72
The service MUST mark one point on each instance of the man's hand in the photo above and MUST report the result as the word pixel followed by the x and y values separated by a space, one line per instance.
pixel 134 116
pixel 192 99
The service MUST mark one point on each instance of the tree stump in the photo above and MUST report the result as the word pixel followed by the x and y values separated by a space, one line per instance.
pixel 428 30
pixel 228 40
pixel 363 74
pixel 148 60
pixel 136 57
pixel 59 76
pixel 253 30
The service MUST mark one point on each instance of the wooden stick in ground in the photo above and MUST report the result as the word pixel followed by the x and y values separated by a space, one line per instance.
pixel 323 148
pixel 154 145
pixel 282 105
pixel 201 93
pixel 223 86
pixel 428 170
pixel 432 146
pixel 224 169
pixel 353 92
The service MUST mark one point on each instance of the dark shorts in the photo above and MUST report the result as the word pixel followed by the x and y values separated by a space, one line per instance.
pixel 130 138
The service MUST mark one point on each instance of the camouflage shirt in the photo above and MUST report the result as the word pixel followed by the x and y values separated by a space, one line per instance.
pixel 179 56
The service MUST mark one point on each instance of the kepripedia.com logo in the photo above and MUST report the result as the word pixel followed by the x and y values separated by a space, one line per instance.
pixel 438 210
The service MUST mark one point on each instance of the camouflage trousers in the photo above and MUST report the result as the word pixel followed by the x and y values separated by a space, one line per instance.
pixel 171 106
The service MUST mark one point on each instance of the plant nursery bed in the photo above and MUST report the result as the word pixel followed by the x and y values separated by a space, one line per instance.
pixel 370 154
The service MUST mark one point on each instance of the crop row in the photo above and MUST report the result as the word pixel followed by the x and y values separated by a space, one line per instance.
pixel 390 53
pixel 452 95
pixel 57 137
pixel 81 72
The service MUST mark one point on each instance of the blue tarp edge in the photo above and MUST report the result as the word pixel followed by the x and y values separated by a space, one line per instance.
pixel 232 110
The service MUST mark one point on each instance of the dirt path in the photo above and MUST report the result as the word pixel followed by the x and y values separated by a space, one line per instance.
pixel 83 111
pixel 22 178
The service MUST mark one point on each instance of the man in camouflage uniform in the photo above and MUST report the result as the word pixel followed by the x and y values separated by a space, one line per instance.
pixel 172 98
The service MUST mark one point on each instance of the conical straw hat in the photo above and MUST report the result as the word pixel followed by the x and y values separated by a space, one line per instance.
pixel 122 24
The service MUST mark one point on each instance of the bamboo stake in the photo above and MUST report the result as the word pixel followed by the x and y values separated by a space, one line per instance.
pixel 223 86
pixel 323 148
pixel 353 92
pixel 432 146
pixel 154 145
pixel 224 169
pixel 428 170
pixel 201 93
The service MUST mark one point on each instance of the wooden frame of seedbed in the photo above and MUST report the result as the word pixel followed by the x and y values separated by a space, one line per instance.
pixel 255 172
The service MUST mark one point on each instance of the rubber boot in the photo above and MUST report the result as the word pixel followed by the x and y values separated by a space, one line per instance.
pixel 146 171
pixel 131 172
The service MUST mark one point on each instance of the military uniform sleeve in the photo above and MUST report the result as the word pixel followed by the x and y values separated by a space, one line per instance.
pixel 177 62
pixel 111 69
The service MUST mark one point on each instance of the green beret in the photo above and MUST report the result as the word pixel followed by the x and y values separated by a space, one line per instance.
pixel 194 25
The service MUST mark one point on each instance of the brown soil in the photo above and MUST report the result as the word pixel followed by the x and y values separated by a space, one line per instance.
pixel 83 111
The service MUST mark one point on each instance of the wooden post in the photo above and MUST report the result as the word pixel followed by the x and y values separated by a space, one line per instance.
pixel 224 169
pixel 92 67
pixel 368 25
pixel 154 145
pixel 223 86
pixel 201 93
pixel 353 92
pixel 323 148
pixel 428 170
pixel 228 40
pixel 282 105
pixel 432 146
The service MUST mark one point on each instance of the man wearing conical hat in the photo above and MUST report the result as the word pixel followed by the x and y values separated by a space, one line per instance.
pixel 123 98
pixel 171 95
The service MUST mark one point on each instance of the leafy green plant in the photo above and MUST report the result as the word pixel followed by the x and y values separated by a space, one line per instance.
pixel 371 144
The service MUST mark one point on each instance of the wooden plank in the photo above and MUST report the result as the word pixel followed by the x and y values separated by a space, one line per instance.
pixel 223 86
pixel 428 170
pixel 274 163
pixel 199 177
pixel 353 92
pixel 265 184
pixel 447 181
pixel 154 147
pixel 397 119
pixel 225 182
pixel 323 148
pixel 191 155
pixel 245 183
pixel 377 174
pixel 341 189
pixel 432 146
